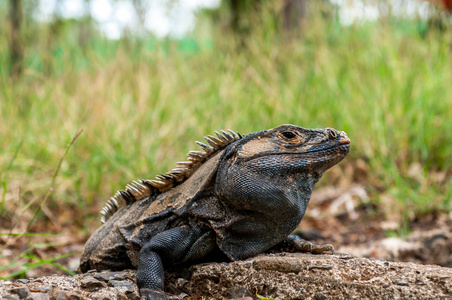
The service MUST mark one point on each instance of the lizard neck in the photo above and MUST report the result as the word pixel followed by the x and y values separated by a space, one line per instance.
pixel 261 217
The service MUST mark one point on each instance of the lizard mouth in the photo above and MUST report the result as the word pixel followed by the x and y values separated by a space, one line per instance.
pixel 341 146
pixel 327 153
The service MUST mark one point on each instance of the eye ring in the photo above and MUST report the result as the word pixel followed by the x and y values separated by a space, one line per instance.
pixel 332 133
pixel 288 134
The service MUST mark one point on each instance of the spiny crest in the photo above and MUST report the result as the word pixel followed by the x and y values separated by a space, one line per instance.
pixel 139 190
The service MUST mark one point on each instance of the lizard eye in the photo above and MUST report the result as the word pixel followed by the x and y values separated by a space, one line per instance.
pixel 288 134
pixel 332 133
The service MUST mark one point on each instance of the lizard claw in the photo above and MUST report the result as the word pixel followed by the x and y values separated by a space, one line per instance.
pixel 323 249
pixel 305 246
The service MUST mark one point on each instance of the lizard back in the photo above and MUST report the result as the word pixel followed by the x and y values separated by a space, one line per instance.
pixel 142 189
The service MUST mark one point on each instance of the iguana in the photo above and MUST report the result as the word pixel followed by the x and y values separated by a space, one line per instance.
pixel 240 196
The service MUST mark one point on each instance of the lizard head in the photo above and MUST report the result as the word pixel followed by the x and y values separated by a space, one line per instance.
pixel 285 159
pixel 294 148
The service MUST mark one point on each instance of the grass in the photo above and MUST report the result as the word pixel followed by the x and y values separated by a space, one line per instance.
pixel 142 104
pixel 27 260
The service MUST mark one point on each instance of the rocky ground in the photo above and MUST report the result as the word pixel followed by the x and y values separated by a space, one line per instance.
pixel 283 276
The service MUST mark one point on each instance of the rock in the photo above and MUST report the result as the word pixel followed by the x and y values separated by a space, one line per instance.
pixel 21 291
pixel 38 296
pixel 23 280
pixel 307 276
pixel 106 276
pixel 59 295
pixel 43 289
pixel 283 276
pixel 91 283
pixel 125 286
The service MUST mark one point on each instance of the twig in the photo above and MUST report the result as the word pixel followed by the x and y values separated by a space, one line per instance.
pixel 51 188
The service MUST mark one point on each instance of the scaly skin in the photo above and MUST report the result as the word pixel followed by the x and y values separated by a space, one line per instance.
pixel 243 200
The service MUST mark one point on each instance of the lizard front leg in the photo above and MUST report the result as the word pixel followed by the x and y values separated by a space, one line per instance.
pixel 176 245
pixel 293 243
pixel 151 275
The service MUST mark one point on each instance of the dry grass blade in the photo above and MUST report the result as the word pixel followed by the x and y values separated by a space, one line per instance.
pixel 52 184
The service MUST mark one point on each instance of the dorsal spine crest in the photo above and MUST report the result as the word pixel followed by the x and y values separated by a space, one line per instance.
pixel 139 190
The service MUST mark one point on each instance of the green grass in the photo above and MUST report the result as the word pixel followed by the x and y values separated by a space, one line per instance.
pixel 27 260
pixel 141 105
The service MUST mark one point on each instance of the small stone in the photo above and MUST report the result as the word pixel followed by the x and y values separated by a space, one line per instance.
pixel 402 282
pixel 23 292
pixel 91 283
pixel 107 276
pixel 180 282
pixel 39 296
pixel 73 296
pixel 23 280
pixel 121 284
pixel 64 295
pixel 59 295
pixel 320 297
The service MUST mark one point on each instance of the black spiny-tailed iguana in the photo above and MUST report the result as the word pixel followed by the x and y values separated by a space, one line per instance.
pixel 240 196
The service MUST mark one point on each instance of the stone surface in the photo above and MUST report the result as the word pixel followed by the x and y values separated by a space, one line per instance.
pixel 307 276
pixel 283 276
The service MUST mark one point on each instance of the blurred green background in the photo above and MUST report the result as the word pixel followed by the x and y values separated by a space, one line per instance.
pixel 143 96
